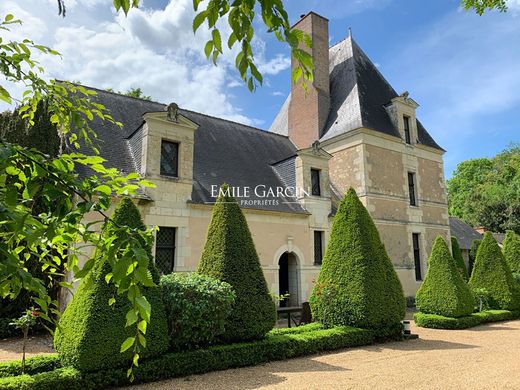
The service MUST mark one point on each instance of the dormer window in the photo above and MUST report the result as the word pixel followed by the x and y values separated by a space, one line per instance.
pixel 169 158
pixel 407 135
pixel 315 182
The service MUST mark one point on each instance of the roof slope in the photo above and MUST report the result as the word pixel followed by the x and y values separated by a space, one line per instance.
pixel 358 94
pixel 224 151
pixel 463 232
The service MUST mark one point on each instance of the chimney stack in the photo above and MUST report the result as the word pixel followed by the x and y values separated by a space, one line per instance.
pixel 308 111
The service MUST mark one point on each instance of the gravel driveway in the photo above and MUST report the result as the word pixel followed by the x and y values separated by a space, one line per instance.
pixel 485 357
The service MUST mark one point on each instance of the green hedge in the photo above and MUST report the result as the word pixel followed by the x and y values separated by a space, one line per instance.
pixel 33 365
pixel 444 291
pixel 440 322
pixel 196 309
pixel 511 249
pixel 459 260
pixel 492 273
pixel 277 345
pixel 90 331
pixel 357 284
pixel 230 255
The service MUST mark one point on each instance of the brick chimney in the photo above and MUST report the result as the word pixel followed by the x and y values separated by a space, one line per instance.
pixel 308 112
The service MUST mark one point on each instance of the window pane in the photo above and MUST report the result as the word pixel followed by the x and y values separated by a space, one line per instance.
pixel 417 256
pixel 315 182
pixel 407 130
pixel 165 250
pixel 169 158
pixel 411 189
pixel 318 247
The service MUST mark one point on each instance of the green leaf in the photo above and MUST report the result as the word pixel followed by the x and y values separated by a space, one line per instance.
pixel 127 344
pixel 145 309
pixel 198 20
pixel 8 18
pixel 111 301
pixel 103 189
pixel 142 326
pixel 217 40
pixel 208 48
pixel 5 96
pixel 131 318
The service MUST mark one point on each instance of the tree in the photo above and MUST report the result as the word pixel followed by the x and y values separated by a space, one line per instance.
pixel 480 6
pixel 492 273
pixel 230 256
pixel 133 92
pixel 511 249
pixel 357 284
pixel 459 260
pixel 92 328
pixel 444 291
pixel 486 192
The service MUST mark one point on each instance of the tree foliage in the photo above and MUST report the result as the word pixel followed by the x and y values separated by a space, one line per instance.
pixel 230 256
pixel 492 273
pixel 357 284
pixel 481 6
pixel 444 291
pixel 486 192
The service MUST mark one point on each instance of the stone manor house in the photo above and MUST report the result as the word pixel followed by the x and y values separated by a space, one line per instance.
pixel 351 130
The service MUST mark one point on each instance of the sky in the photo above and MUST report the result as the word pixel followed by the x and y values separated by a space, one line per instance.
pixel 462 69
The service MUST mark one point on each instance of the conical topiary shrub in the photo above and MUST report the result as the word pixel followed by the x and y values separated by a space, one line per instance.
pixel 443 291
pixel 492 273
pixel 230 256
pixel 90 332
pixel 459 260
pixel 511 251
pixel 357 284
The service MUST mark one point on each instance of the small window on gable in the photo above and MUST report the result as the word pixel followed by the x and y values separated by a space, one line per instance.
pixel 169 158
pixel 315 182
pixel 407 134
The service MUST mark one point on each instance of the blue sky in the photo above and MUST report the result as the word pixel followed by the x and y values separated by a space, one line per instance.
pixel 463 70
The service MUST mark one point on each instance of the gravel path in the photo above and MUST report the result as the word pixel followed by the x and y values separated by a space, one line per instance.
pixel 485 357
pixel 11 349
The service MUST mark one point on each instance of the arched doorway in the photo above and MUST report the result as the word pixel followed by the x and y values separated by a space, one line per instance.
pixel 288 279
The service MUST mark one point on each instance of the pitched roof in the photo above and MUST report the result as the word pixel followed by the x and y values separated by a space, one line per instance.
pixel 464 233
pixel 358 93
pixel 224 151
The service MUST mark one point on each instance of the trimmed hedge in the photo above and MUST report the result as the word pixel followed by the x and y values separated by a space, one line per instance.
pixel 230 255
pixel 443 291
pixel 90 332
pixel 492 273
pixel 473 255
pixel 357 284
pixel 440 322
pixel 459 260
pixel 196 307
pixel 511 251
pixel 33 365
pixel 277 345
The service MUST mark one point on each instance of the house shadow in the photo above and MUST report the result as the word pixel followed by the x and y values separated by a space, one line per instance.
pixel 419 345
pixel 482 328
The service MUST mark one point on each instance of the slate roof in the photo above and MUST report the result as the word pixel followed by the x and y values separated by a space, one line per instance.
pixel 358 93
pixel 463 232
pixel 224 151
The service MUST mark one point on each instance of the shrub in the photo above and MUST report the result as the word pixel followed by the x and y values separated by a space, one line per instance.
pixel 443 291
pixel 277 345
pixel 473 255
pixel 482 298
pixel 357 284
pixel 459 260
pixel 196 308
pixel 511 251
pixel 91 332
pixel 492 273
pixel 230 255
pixel 33 365
pixel 435 321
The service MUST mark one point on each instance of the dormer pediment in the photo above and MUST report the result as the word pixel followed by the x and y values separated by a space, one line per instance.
pixel 166 117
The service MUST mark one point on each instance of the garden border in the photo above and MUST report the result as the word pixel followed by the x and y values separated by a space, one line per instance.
pixel 279 344
pixel 436 321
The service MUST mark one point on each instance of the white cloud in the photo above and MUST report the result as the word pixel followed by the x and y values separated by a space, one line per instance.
pixel 152 49
pixel 275 65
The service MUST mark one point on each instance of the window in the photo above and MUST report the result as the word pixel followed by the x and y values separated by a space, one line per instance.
pixel 165 250
pixel 315 182
pixel 318 247
pixel 407 136
pixel 411 189
pixel 169 158
pixel 417 256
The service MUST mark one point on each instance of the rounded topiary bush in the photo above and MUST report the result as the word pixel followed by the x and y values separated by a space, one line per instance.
pixel 90 331
pixel 443 291
pixel 492 273
pixel 511 251
pixel 357 284
pixel 230 256
pixel 459 260
pixel 197 307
